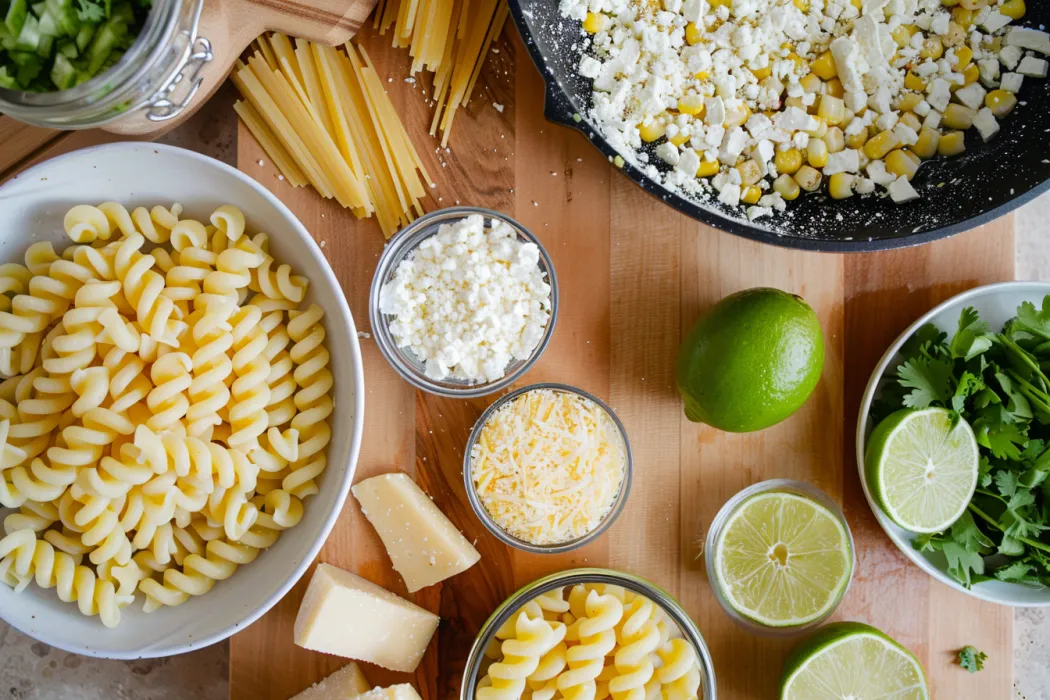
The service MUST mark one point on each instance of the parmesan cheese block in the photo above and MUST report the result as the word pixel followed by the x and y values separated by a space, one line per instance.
pixel 424 546
pixel 348 682
pixel 346 615
pixel 395 692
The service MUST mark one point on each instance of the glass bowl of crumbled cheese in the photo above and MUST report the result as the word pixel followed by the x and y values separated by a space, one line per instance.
pixel 463 302
pixel 547 468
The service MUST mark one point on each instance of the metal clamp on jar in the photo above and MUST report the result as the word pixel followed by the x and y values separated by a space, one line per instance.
pixel 185 49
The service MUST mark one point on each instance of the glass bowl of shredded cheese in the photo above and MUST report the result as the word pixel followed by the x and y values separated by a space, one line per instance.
pixel 547 468
pixel 463 302
pixel 545 617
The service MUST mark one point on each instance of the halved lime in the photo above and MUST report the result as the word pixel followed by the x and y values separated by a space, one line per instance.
pixel 783 559
pixel 852 660
pixel 922 470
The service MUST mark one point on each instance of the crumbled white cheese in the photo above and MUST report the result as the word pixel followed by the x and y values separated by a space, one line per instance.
pixel 1031 39
pixel 994 21
pixel 986 124
pixel 668 153
pixel 845 161
pixel 1010 56
pixel 469 300
pixel 989 70
pixel 1011 82
pixel 901 190
pixel 971 96
pixel 1032 67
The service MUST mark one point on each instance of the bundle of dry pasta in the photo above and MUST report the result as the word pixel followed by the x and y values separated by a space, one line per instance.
pixel 449 38
pixel 323 117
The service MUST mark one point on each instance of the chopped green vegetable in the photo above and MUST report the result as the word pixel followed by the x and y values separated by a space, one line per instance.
pixel 998 383
pixel 71 41
pixel 971 659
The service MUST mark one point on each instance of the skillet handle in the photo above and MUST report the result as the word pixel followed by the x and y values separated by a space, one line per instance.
pixel 558 108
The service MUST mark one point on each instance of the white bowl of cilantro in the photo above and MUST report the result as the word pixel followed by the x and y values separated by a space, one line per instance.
pixel 982 357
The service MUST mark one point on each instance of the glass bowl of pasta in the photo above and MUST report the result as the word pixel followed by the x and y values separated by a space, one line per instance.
pixel 168 468
pixel 589 633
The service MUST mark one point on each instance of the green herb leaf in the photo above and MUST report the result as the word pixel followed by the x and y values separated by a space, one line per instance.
pixel 972 338
pixel 929 379
pixel 971 659
pixel 1036 322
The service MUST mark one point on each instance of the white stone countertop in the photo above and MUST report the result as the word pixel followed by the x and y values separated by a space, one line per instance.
pixel 30 670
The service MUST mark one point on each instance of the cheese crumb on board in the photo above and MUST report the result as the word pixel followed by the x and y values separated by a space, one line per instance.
pixel 424 546
pixel 469 300
pixel 348 682
pixel 402 691
pixel 548 466
pixel 346 615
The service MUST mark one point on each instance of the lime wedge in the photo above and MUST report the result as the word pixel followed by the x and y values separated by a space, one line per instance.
pixel 921 470
pixel 852 660
pixel 782 559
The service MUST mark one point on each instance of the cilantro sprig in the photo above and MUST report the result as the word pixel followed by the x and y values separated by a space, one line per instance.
pixel 998 383
pixel 971 659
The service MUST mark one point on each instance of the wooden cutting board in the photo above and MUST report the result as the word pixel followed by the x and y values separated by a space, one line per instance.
pixel 634 276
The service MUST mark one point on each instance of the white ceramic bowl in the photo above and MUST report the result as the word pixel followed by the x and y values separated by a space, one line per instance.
pixel 31 209
pixel 996 304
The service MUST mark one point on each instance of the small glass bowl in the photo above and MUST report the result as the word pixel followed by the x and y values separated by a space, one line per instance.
pixel 404 361
pixel 503 535
pixel 708 688
pixel 798 488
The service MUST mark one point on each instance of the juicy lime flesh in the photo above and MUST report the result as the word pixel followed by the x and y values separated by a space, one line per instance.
pixel 857 667
pixel 928 471
pixel 783 559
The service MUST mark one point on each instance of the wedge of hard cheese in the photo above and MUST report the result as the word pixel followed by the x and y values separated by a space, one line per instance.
pixel 346 683
pixel 346 615
pixel 424 546
pixel 395 692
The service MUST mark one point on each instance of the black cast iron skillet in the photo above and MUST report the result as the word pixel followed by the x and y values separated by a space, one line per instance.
pixel 957 194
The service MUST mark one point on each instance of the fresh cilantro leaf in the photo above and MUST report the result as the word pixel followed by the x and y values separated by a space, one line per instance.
pixel 984 473
pixel 1017 405
pixel 1005 441
pixel 1018 572
pixel 971 659
pixel 965 532
pixel 962 562
pixel 972 338
pixel 969 384
pixel 92 11
pixel 929 542
pixel 1006 483
pixel 929 379
pixel 1031 320
pixel 927 339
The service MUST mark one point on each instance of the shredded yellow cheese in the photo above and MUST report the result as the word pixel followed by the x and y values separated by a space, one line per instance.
pixel 548 466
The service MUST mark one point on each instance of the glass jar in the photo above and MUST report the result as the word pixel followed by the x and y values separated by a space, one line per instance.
pixel 151 83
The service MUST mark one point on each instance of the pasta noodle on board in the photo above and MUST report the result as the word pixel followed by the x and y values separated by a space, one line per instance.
pixel 164 408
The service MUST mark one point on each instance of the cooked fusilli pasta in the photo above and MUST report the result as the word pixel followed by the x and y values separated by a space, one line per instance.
pixel 157 430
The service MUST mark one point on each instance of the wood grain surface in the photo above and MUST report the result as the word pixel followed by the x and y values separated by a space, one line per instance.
pixel 634 276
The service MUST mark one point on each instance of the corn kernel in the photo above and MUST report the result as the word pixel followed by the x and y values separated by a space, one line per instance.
pixel 1014 9
pixel 972 4
pixel 715 4
pixel 824 66
pixel 788 161
pixel 956 35
pixel 693 34
pixel 958 117
pixel 926 146
pixel 952 144
pixel 751 195
pixel 963 17
pixel 708 168
pixel 909 101
pixel 834 88
pixel 653 130
pixel 808 178
pixel 693 105
pixel 840 185
pixel 878 146
pixel 832 109
pixel 800 63
pixel 762 73
pixel 786 187
pixel 994 45
pixel 963 57
pixel 1000 102
pixel 702 75
pixel 811 83
pixel 802 5
pixel 835 139
pixel 903 34
pixel 949 3
pixel 858 4
pixel 750 172
pixel 914 82
pixel 737 116
pixel 822 128
pixel 817 153
pixel 679 138
pixel 857 140
pixel 932 48
pixel 595 22
pixel 971 73
pixel 898 163
pixel 911 121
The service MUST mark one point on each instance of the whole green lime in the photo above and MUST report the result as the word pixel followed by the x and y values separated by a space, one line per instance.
pixel 751 361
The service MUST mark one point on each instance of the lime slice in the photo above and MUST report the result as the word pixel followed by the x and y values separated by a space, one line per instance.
pixel 852 660
pixel 921 470
pixel 782 559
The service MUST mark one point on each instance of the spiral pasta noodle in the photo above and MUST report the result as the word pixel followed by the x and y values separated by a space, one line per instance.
pixel 597 642
pixel 157 429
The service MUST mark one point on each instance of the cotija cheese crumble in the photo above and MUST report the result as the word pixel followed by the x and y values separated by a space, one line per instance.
pixel 548 466
pixel 757 101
